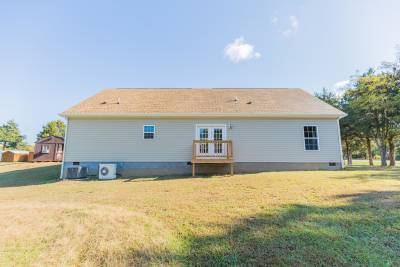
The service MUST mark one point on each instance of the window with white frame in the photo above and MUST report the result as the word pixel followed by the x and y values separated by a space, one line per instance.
pixel 311 141
pixel 45 149
pixel 149 131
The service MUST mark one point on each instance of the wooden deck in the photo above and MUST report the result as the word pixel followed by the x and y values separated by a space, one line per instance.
pixel 212 152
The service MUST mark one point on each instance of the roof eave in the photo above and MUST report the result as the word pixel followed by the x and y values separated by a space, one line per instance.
pixel 203 115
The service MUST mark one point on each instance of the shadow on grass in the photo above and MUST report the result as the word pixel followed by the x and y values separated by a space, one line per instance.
pixel 368 173
pixel 168 177
pixel 33 176
pixel 369 168
pixel 365 232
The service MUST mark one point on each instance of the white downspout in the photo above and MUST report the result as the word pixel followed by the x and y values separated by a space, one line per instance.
pixel 65 149
pixel 340 144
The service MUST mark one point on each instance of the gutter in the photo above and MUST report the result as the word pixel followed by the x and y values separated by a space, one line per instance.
pixel 202 115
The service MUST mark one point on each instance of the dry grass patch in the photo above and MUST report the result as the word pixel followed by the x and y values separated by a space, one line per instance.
pixel 74 234
pixel 281 218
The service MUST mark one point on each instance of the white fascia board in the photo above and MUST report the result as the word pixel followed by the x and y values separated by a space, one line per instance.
pixel 203 115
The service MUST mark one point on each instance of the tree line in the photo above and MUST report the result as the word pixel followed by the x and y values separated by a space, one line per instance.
pixel 372 104
pixel 12 138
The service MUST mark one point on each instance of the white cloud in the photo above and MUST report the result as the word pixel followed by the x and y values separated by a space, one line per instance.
pixel 340 87
pixel 288 30
pixel 342 84
pixel 239 50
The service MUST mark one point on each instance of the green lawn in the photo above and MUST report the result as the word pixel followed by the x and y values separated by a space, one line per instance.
pixel 314 218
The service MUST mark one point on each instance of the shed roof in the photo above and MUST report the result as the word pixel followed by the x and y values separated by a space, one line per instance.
pixel 51 140
pixel 203 102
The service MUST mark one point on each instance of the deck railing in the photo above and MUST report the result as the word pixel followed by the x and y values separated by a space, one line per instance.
pixel 212 149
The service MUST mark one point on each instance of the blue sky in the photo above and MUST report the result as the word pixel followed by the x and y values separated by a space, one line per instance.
pixel 56 53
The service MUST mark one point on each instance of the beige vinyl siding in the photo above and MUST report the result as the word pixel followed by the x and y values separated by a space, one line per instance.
pixel 255 140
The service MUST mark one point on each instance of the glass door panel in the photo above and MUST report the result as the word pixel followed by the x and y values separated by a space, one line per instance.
pixel 217 136
pixel 203 135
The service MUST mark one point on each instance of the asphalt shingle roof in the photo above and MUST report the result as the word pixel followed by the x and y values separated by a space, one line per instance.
pixel 203 101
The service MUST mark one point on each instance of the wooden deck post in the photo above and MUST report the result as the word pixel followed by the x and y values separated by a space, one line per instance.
pixel 203 157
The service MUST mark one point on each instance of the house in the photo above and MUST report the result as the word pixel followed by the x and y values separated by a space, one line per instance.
pixel 178 131
pixel 14 156
pixel 49 149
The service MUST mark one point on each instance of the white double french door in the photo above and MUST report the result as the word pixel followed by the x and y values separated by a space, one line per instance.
pixel 211 134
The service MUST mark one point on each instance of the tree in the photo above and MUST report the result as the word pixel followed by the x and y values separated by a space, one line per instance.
pixel 351 133
pixel 11 137
pixel 373 108
pixel 373 103
pixel 55 128
pixel 392 70
pixel 398 150
pixel 348 129
pixel 329 97
pixel 358 126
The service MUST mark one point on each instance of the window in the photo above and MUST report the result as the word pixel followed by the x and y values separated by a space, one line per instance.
pixel 149 131
pixel 45 149
pixel 311 138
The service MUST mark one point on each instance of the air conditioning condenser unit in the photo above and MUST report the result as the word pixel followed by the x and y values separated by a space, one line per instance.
pixel 107 171
pixel 77 172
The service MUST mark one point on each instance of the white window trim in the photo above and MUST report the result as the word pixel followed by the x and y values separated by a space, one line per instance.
pixel 47 151
pixel 304 138
pixel 154 133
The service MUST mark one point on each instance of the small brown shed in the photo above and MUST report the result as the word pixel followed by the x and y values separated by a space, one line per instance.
pixel 49 149
pixel 14 156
